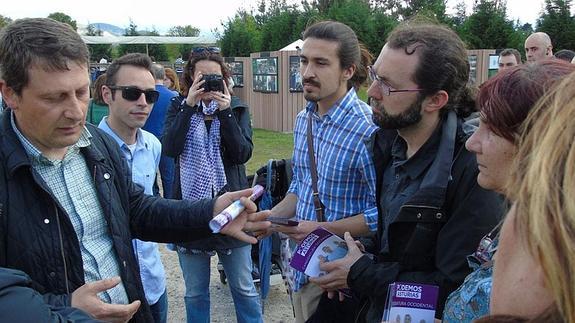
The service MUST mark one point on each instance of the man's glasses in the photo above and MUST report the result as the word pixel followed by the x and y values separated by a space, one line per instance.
pixel 386 89
pixel 205 50
pixel 132 93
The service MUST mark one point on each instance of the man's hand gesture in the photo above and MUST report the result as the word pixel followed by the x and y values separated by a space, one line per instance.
pixel 86 299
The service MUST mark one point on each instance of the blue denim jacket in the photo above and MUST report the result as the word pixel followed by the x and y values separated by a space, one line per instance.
pixel 471 300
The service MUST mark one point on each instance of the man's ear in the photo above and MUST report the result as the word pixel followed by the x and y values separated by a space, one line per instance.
pixel 106 94
pixel 9 95
pixel 435 101
pixel 349 72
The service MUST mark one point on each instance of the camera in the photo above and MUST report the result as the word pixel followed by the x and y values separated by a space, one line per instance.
pixel 213 82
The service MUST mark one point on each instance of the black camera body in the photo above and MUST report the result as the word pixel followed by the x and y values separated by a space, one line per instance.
pixel 213 82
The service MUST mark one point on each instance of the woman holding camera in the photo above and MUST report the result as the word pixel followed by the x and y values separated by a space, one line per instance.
pixel 211 140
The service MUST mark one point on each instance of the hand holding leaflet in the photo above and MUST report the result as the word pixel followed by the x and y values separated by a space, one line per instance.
pixel 232 211
pixel 319 246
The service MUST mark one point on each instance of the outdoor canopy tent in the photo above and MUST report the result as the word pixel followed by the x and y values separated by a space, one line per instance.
pixel 114 40
pixel 204 40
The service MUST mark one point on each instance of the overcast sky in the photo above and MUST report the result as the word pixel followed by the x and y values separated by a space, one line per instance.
pixel 163 15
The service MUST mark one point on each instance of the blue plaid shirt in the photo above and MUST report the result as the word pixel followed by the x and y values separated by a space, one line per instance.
pixel 73 188
pixel 345 169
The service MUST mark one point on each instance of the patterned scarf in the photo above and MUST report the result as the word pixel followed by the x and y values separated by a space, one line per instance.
pixel 201 168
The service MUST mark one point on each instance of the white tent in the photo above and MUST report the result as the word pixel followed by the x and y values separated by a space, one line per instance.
pixel 293 46
pixel 202 40
pixel 110 39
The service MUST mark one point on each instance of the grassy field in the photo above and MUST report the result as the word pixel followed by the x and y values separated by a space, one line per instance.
pixel 269 145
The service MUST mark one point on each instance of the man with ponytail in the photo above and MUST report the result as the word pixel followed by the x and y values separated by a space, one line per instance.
pixel 432 212
pixel 336 123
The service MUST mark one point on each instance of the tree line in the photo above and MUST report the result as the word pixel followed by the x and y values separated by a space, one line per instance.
pixel 275 23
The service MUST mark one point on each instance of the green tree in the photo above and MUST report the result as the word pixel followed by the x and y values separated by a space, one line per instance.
pixel 241 35
pixel 319 5
pixel 557 22
pixel 183 31
pixel 4 21
pixel 487 26
pixel 132 30
pixel 158 52
pixel 62 17
pixel 460 16
pixel 282 24
pixel 381 25
pixel 429 8
pixel 356 14
pixel 405 9
pixel 97 51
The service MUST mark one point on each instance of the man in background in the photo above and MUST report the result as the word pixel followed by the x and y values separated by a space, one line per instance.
pixel 155 125
pixel 508 58
pixel 538 46
pixel 142 152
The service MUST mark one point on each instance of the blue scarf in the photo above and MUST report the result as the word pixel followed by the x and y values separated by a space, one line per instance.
pixel 201 168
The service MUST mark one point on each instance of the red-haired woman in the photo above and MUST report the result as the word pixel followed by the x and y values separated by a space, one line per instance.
pixel 504 102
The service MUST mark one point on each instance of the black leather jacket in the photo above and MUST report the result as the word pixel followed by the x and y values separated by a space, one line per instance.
pixel 434 231
pixel 37 236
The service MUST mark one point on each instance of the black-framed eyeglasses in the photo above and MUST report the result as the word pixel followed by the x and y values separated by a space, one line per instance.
pixel 132 93
pixel 205 50
pixel 386 89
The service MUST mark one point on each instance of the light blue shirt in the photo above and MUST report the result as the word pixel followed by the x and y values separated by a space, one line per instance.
pixel 71 184
pixel 143 161
pixel 345 169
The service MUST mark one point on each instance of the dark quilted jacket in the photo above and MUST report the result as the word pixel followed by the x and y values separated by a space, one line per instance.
pixel 37 237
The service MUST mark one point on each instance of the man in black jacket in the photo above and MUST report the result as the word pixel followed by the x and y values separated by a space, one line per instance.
pixel 432 213
pixel 68 206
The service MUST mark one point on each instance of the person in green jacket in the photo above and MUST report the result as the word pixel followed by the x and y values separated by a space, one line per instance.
pixel 97 108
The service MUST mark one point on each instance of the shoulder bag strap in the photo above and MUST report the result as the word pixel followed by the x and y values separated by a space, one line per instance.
pixel 318 206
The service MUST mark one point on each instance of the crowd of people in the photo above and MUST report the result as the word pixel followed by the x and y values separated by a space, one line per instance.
pixel 430 182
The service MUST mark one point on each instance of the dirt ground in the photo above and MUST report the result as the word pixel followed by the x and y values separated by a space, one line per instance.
pixel 277 305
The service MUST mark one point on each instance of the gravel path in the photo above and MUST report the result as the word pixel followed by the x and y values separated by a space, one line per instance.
pixel 277 307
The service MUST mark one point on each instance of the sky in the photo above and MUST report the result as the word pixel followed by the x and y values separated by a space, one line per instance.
pixel 161 16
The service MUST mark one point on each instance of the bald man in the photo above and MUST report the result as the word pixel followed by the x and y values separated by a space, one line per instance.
pixel 538 46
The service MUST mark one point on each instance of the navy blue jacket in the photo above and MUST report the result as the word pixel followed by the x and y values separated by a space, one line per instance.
pixel 37 236
pixel 19 302
pixel 434 231
pixel 155 122
pixel 236 149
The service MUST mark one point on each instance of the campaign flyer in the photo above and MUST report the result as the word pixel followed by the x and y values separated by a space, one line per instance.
pixel 319 246
pixel 410 302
